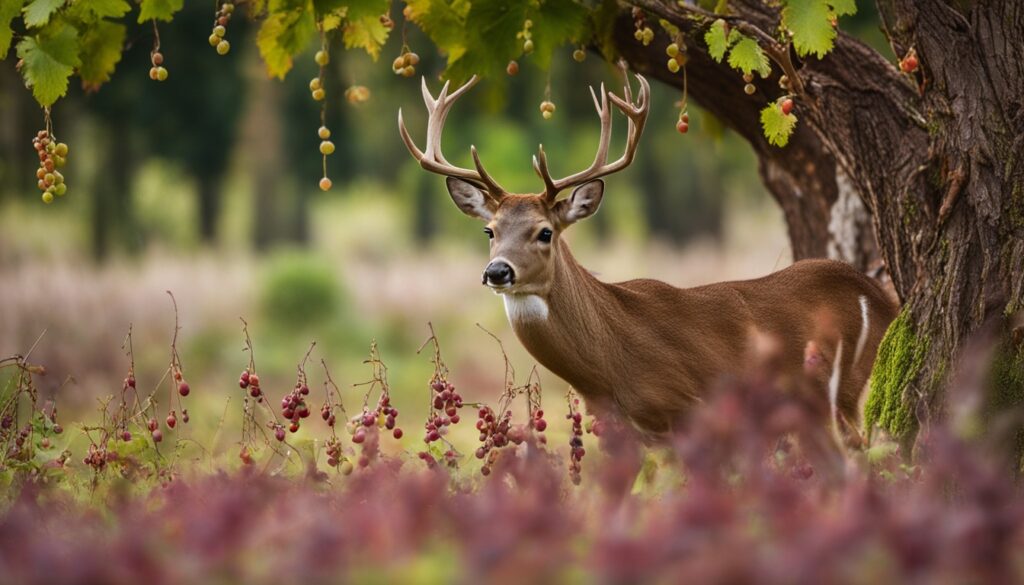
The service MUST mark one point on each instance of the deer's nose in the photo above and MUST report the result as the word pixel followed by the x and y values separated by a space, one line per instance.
pixel 499 273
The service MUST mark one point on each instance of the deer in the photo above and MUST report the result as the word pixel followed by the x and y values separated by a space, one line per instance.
pixel 643 349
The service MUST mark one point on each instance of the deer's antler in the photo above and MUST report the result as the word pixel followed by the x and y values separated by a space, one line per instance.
pixel 431 157
pixel 636 112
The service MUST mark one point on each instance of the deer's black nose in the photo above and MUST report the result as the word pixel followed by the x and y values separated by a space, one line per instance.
pixel 499 273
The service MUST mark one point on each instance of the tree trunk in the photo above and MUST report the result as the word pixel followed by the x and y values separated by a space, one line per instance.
pixel 934 158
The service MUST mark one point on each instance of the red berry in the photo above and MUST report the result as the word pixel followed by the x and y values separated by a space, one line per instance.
pixel 909 63
pixel 541 425
pixel 787 106
pixel 183 389
pixel 171 421
pixel 157 436
pixel 397 433
pixel 279 433
pixel 682 127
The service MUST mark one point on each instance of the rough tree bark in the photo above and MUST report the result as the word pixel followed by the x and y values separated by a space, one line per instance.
pixel 934 158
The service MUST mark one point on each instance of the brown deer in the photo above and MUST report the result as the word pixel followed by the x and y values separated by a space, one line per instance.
pixel 644 348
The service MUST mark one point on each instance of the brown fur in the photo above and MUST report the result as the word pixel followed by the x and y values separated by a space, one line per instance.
pixel 650 350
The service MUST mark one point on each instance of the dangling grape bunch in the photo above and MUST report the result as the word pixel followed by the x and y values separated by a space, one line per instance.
pixel 52 156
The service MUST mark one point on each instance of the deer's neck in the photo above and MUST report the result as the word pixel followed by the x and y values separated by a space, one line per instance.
pixel 558 327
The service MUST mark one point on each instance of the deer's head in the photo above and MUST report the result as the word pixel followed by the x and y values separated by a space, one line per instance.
pixel 524 229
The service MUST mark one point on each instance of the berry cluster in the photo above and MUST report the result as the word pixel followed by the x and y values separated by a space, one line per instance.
pixel 154 430
pixel 98 457
pixel 405 63
pixel 335 458
pixel 642 32
pixel 676 57
pixel 748 87
pixel 326 149
pixel 220 23
pixel 316 89
pixel 576 451
pixel 497 432
pixel 357 94
pixel 444 411
pixel 157 72
pixel 547 109
pixel 526 36
pixel 52 156
pixel 293 405
pixel 251 382
pixel 683 125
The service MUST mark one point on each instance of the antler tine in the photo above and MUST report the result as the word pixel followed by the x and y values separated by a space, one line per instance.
pixel 431 158
pixel 540 164
pixel 409 144
pixel 489 182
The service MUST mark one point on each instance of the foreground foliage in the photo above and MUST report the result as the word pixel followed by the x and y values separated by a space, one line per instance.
pixel 749 491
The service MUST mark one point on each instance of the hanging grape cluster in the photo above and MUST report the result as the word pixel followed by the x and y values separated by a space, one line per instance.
pixel 52 156
pixel 220 23
pixel 405 63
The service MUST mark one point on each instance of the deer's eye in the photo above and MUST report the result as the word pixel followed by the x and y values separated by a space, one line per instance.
pixel 545 235
pixel 489 232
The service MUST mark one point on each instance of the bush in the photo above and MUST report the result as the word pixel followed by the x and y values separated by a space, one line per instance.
pixel 300 290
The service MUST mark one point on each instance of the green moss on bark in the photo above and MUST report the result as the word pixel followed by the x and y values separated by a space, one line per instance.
pixel 899 359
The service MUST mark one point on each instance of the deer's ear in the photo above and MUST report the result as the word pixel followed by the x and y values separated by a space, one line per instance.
pixel 472 200
pixel 582 204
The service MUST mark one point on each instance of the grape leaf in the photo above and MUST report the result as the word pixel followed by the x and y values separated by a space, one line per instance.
pixel 811 24
pixel 366 32
pixel 285 33
pixel 8 10
pixel 49 59
pixel 554 23
pixel 107 8
pixel 101 51
pixel 844 7
pixel 747 56
pixel 717 41
pixel 443 22
pixel 159 9
pixel 490 38
pixel 38 12
pixel 778 127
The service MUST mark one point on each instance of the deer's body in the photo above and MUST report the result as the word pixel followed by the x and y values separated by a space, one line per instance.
pixel 643 348
pixel 651 351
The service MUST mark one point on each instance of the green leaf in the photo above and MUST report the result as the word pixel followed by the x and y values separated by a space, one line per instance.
pixel 778 127
pixel 285 33
pixel 443 22
pixel 101 50
pixel 38 12
pixel 747 56
pixel 159 9
pixel 49 59
pixel 844 7
pixel 490 38
pixel 718 42
pixel 366 33
pixel 8 10
pixel 810 21
pixel 555 23
pixel 107 8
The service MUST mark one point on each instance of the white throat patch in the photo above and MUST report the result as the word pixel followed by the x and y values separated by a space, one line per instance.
pixel 522 308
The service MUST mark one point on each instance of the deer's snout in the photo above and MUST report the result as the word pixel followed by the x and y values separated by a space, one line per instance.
pixel 499 273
